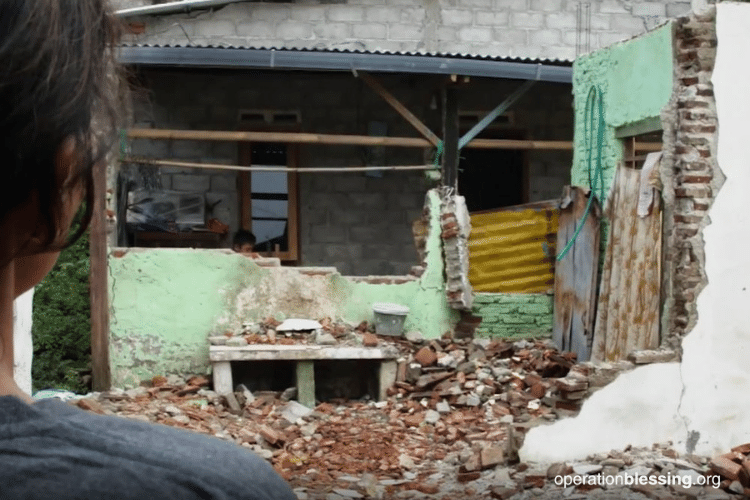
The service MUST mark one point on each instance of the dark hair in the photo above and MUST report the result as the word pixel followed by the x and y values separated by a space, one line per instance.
pixel 242 237
pixel 57 81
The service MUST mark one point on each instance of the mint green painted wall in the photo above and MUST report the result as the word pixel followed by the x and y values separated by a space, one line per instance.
pixel 635 78
pixel 166 302
pixel 514 315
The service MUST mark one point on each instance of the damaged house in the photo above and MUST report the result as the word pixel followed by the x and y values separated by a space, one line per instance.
pixel 672 291
pixel 353 139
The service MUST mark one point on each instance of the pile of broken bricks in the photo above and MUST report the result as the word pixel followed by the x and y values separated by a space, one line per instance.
pixel 298 332
pixel 451 425
pixel 400 449
pixel 530 375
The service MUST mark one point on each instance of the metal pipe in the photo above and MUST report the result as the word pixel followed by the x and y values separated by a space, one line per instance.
pixel 173 7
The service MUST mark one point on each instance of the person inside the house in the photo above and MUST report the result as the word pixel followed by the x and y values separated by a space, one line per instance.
pixel 58 109
pixel 243 241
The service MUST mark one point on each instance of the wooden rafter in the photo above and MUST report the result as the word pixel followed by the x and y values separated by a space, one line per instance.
pixel 400 108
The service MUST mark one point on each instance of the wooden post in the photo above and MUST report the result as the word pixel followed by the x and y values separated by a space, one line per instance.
pixel 244 188
pixel 98 284
pixel 450 136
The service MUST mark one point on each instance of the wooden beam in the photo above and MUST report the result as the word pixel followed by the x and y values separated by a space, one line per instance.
pixel 647 146
pixel 400 108
pixel 645 126
pixel 520 144
pixel 286 137
pixel 352 140
pixel 98 284
pixel 267 168
pixel 500 109
pixel 450 137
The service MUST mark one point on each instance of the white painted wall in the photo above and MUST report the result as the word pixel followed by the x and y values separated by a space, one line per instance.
pixel 701 403
pixel 22 344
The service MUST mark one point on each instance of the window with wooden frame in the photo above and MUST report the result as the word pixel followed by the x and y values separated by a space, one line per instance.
pixel 638 140
pixel 269 205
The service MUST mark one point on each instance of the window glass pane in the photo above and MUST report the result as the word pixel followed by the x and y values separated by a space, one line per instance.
pixel 268 182
pixel 268 233
pixel 268 154
pixel 270 208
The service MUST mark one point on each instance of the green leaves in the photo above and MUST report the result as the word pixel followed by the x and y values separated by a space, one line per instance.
pixel 61 322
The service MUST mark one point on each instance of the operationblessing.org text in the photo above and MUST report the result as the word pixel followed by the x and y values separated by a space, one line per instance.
pixel 638 480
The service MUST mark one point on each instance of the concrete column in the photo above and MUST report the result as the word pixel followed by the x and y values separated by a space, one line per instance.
pixel 222 377
pixel 306 383
pixel 23 348
pixel 386 378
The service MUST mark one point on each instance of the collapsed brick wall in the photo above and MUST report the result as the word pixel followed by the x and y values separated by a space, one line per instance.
pixel 511 315
pixel 455 227
pixel 690 173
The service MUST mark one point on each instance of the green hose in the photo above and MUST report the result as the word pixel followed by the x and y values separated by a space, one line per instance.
pixel 594 99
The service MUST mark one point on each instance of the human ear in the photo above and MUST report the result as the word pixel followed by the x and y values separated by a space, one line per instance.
pixel 69 186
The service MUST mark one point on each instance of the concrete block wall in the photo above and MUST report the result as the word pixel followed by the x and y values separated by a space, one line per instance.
pixel 513 315
pixel 359 223
pixel 543 29
pixel 545 112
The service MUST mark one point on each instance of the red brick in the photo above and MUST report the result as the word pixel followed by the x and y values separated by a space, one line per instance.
pixel 692 104
pixel 465 477
pixel 687 219
pixel 369 340
pixel 270 435
pixel 725 467
pixel 425 356
pixel 90 404
pixel 492 456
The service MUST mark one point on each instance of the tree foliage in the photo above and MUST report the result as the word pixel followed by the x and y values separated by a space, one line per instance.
pixel 61 327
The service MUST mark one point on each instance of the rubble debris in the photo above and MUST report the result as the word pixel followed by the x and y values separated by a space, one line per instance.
pixel 450 428
pixel 652 356
pixel 297 325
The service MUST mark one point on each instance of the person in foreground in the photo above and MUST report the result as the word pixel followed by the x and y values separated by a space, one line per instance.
pixel 58 109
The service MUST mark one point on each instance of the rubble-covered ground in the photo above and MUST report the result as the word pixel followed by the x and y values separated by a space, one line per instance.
pixel 450 428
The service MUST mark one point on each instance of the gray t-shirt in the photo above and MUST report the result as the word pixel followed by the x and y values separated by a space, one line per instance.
pixel 51 450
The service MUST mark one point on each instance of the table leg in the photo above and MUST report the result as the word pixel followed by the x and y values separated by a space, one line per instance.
pixel 306 383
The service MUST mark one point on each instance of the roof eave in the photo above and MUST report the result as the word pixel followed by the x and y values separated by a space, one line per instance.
pixel 215 57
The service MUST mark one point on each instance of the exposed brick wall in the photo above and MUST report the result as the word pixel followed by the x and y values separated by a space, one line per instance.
pixel 691 175
pixel 455 227
pixel 513 314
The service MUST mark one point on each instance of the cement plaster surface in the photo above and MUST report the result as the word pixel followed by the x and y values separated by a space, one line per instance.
pixel 166 302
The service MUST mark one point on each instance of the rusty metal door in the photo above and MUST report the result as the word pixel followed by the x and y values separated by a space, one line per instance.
pixel 576 274
pixel 629 301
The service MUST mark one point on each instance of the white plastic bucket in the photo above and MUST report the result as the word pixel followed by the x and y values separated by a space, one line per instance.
pixel 389 318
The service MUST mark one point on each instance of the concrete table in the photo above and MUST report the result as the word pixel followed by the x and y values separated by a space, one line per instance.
pixel 305 356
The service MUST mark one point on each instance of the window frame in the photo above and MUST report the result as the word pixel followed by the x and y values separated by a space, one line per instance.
pixel 244 189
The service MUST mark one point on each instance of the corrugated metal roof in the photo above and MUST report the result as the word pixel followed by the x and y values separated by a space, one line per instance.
pixel 238 56
pixel 454 55
pixel 513 250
